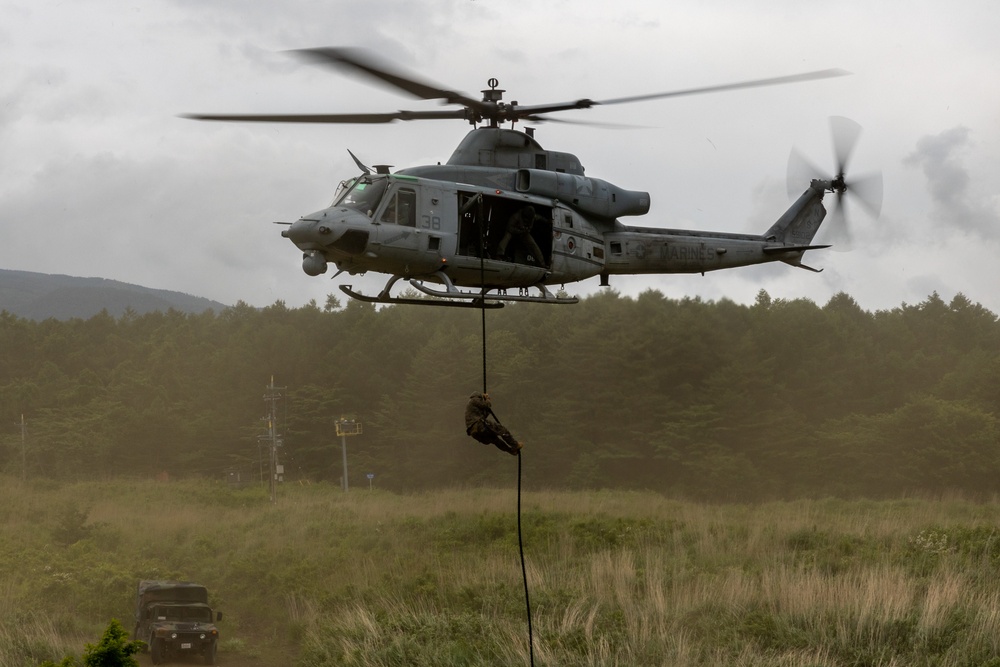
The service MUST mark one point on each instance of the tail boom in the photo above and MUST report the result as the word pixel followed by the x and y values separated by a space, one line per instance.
pixel 644 250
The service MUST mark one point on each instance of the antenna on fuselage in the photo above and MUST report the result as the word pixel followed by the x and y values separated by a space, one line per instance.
pixel 361 165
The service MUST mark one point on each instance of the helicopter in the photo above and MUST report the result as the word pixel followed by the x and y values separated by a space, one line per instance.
pixel 505 214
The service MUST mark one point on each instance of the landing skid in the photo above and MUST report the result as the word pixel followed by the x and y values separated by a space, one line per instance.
pixel 452 292
pixel 453 297
pixel 384 298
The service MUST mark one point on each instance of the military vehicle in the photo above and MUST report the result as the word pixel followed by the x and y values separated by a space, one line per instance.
pixel 174 619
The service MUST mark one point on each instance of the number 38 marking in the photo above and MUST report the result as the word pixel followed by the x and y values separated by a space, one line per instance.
pixel 428 222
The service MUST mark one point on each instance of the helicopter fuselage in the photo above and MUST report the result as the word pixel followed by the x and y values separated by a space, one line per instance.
pixel 503 212
pixel 416 230
pixel 457 224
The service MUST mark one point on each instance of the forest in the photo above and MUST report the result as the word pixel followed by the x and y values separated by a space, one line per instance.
pixel 703 400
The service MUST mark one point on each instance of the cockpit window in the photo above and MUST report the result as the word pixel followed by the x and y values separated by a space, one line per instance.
pixel 401 209
pixel 364 195
pixel 342 188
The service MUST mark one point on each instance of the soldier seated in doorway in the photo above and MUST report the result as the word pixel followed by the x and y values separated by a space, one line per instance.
pixel 482 424
pixel 519 226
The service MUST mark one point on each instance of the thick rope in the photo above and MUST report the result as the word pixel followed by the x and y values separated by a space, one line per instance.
pixel 483 310
pixel 524 571
pixel 520 537
pixel 482 277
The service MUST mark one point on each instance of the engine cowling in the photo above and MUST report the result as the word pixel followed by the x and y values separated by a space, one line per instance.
pixel 591 196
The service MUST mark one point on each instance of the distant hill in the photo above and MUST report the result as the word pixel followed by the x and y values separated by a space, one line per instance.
pixel 41 296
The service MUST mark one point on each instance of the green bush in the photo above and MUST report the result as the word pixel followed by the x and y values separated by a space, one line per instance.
pixel 114 650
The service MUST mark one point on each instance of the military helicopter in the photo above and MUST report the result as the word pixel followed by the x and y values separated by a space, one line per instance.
pixel 505 214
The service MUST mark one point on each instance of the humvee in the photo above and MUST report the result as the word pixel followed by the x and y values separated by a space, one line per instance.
pixel 174 619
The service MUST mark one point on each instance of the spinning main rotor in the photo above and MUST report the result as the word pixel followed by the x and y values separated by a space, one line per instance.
pixel 491 109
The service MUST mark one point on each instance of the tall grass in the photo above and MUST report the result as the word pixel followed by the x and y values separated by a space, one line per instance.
pixel 369 578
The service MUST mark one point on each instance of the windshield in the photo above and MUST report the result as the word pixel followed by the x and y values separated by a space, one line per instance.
pixel 189 614
pixel 364 194
pixel 344 186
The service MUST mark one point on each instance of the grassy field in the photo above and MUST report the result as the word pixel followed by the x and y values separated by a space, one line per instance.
pixel 369 578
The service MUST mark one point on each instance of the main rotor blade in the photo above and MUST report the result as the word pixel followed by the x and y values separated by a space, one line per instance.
pixel 444 114
pixel 774 81
pixel 364 62
pixel 585 103
pixel 585 123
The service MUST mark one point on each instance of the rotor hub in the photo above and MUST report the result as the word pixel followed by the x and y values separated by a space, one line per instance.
pixel 493 94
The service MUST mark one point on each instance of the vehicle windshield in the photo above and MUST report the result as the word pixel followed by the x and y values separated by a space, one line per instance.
pixel 189 614
pixel 364 194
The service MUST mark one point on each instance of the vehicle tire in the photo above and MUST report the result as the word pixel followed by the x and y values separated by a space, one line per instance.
pixel 156 651
pixel 209 654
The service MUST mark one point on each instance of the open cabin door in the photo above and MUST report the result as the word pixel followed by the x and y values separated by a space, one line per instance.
pixel 486 224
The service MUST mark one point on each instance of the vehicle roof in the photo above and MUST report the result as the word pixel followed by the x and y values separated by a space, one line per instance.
pixel 154 584
pixel 160 590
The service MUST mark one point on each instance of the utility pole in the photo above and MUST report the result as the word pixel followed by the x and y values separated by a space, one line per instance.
pixel 346 427
pixel 272 395
pixel 24 455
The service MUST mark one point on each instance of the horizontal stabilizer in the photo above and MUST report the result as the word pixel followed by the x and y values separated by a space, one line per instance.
pixel 776 249
pixel 802 266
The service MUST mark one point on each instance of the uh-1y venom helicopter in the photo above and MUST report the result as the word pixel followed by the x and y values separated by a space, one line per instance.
pixel 453 224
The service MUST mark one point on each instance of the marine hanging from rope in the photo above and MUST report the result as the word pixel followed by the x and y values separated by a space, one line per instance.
pixel 483 425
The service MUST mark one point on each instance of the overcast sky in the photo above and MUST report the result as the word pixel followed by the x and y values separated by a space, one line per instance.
pixel 100 177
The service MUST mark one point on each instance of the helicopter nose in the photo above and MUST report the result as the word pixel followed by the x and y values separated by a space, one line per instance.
pixel 341 231
pixel 306 232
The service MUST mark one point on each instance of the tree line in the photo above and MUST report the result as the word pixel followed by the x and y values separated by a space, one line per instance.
pixel 704 399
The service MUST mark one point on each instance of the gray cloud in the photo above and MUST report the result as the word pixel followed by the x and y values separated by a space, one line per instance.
pixel 949 182
pixel 99 177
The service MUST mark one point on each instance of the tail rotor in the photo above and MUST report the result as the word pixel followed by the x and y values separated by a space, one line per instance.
pixel 864 190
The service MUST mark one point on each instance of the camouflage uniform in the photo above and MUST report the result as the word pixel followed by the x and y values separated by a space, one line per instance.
pixel 482 424
pixel 519 226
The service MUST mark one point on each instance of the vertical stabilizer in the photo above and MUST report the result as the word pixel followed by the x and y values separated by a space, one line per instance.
pixel 798 225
